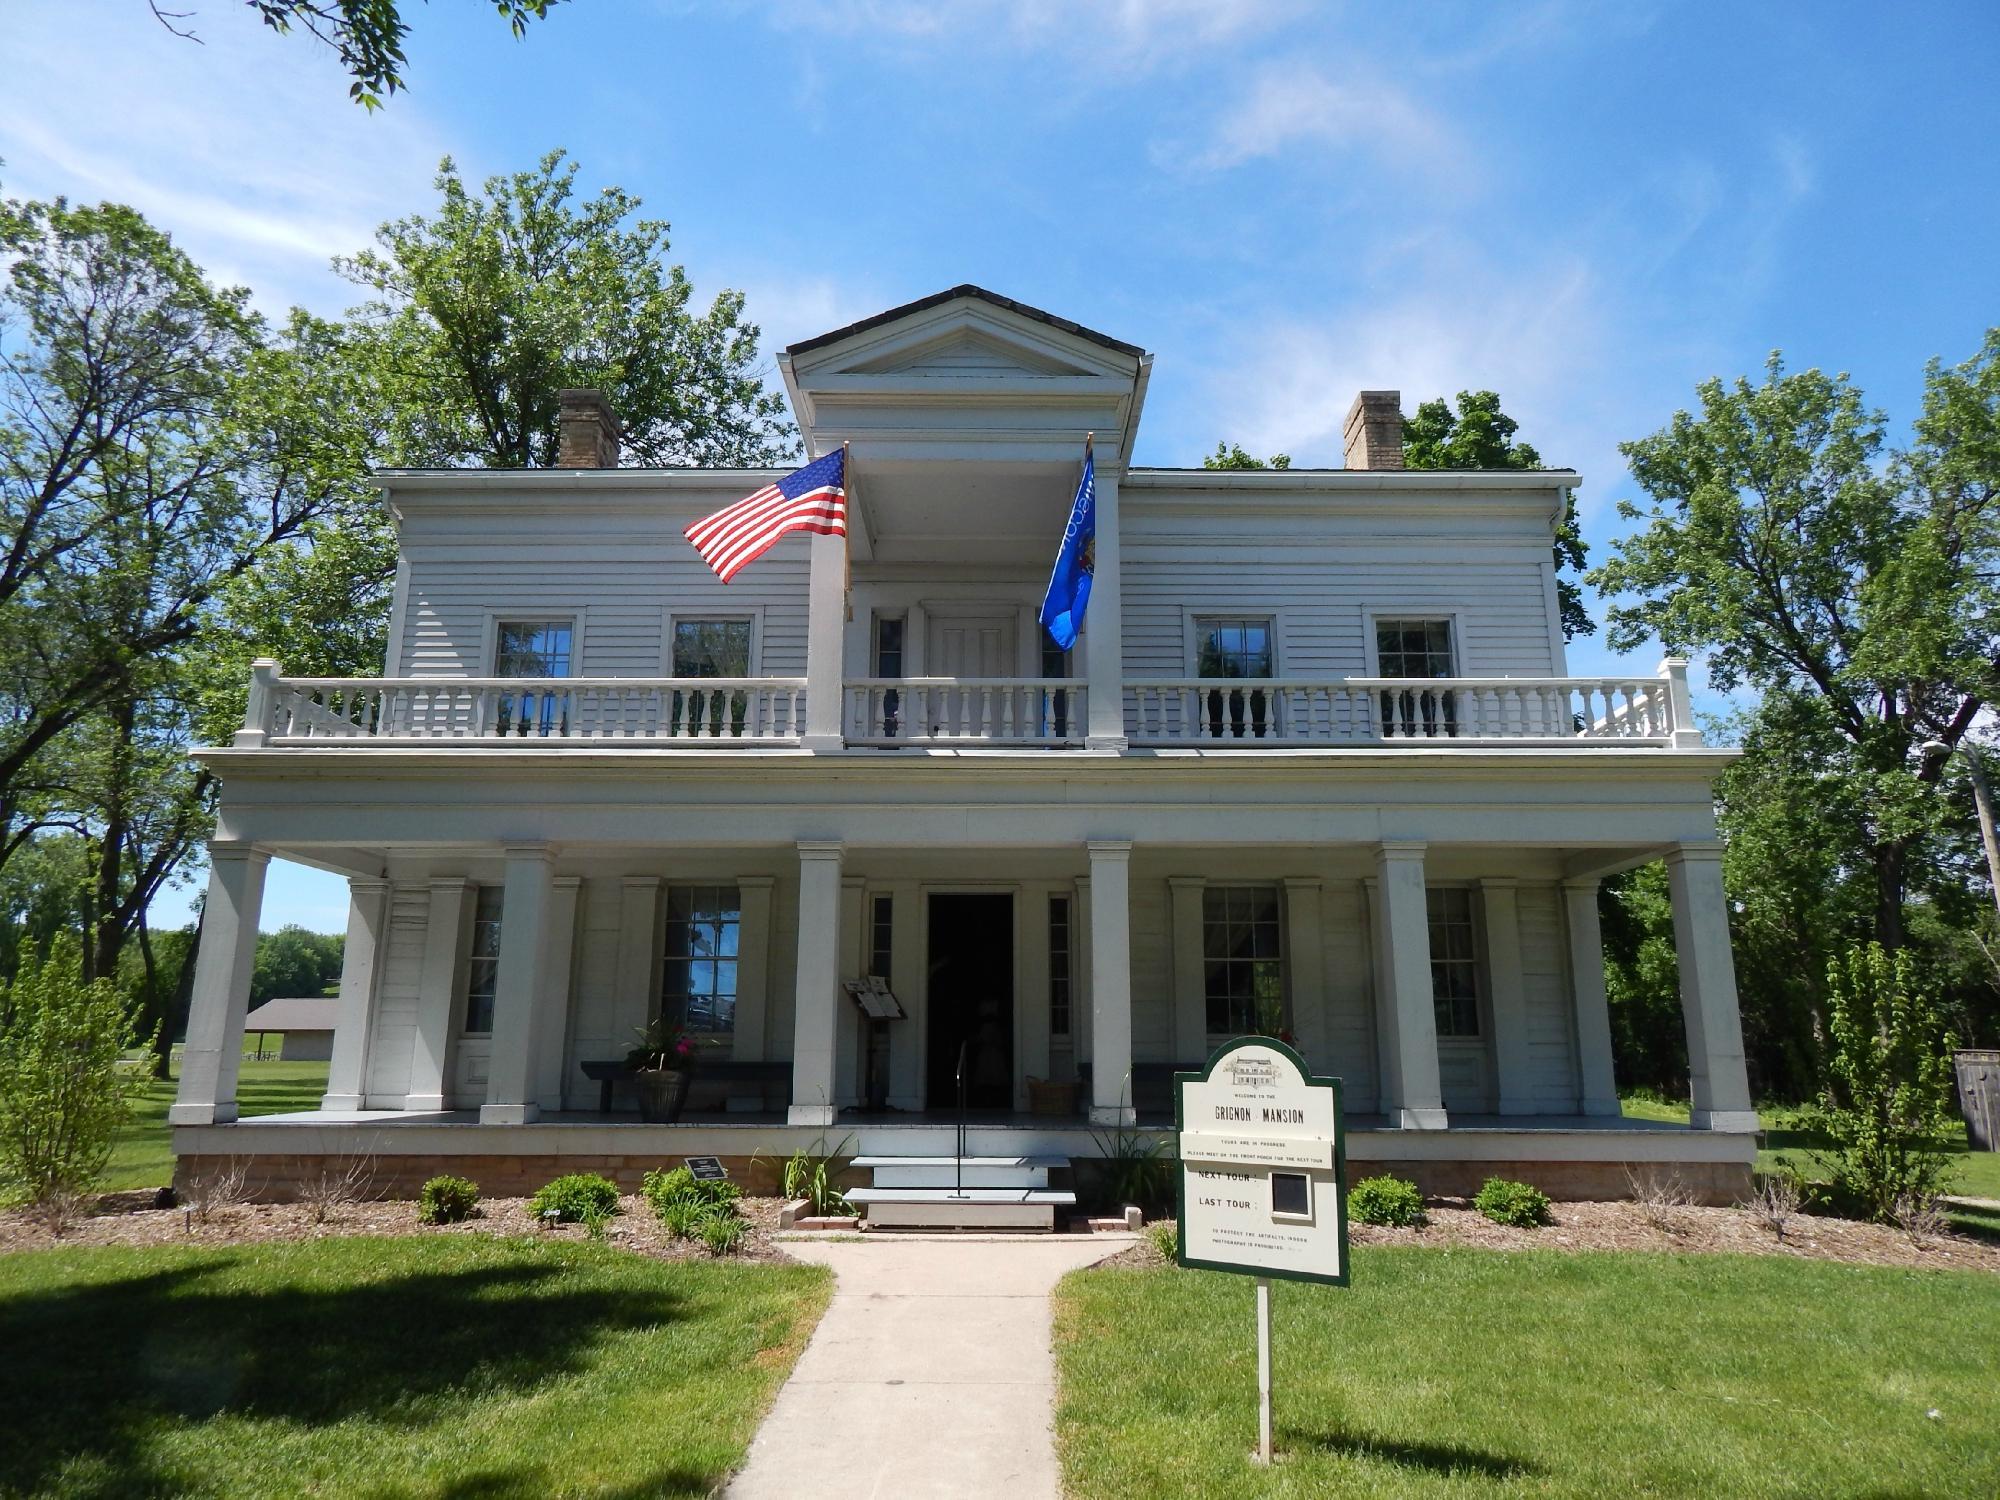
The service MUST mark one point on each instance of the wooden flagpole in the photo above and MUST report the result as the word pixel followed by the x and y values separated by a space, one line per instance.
pixel 847 535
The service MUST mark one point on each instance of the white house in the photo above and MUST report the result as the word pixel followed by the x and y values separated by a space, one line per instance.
pixel 1316 766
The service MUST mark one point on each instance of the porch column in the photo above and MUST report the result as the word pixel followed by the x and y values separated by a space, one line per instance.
pixel 1110 978
pixel 1512 1065
pixel 1721 1082
pixel 1405 1012
pixel 360 978
pixel 551 1046
pixel 1597 1084
pixel 526 917
pixel 826 623
pixel 1104 628
pixel 753 894
pixel 222 969
pixel 1305 962
pixel 814 1017
pixel 1190 967
pixel 438 988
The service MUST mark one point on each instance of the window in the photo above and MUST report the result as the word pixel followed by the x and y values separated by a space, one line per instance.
pixel 1236 647
pixel 1416 648
pixel 1059 972
pixel 532 648
pixel 711 648
pixel 881 936
pixel 889 633
pixel 1454 962
pixel 698 983
pixel 482 969
pixel 1244 971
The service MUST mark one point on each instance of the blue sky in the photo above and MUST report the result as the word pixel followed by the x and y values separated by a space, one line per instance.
pixel 1588 208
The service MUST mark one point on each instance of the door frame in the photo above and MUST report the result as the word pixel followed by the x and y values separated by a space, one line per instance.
pixel 1027 640
pixel 925 890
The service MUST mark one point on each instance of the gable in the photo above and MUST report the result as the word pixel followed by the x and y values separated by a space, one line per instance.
pixel 966 351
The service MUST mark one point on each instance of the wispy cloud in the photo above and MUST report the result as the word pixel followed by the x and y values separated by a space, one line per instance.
pixel 1287 105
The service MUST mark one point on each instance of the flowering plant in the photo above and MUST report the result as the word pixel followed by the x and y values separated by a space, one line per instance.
pixel 664 1046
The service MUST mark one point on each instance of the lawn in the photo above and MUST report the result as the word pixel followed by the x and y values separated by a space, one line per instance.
pixel 143 1154
pixel 1472 1372
pixel 459 1365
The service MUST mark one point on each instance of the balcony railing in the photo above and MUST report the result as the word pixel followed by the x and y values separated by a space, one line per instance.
pixel 953 710
pixel 1373 710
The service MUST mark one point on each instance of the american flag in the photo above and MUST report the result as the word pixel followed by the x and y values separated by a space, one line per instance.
pixel 810 499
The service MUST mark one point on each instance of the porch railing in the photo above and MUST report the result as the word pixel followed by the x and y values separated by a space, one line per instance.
pixel 1364 710
pixel 944 710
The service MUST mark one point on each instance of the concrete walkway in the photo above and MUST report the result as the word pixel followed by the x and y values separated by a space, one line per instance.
pixel 930 1376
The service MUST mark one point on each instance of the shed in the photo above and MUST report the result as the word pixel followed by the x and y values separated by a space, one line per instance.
pixel 304 1027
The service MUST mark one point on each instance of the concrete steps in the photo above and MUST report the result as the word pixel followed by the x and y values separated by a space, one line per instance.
pixel 1000 1191
pixel 974 1172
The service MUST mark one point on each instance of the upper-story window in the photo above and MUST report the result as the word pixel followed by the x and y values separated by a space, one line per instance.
pixel 532 648
pixel 1243 967
pixel 482 966
pixel 1454 961
pixel 1416 648
pixel 1235 647
pixel 711 648
pixel 890 633
pixel 698 978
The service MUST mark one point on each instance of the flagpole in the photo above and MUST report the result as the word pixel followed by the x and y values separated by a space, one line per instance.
pixel 846 537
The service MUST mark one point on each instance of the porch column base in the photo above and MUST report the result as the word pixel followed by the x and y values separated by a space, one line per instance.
pixel 509 1114
pixel 1601 1107
pixel 1421 1119
pixel 427 1103
pixel 1724 1119
pixel 330 1103
pixel 810 1114
pixel 202 1114
pixel 1113 1114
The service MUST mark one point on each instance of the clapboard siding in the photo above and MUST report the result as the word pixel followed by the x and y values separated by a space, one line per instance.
pixel 395 1036
pixel 1349 1017
pixel 1152 973
pixel 1545 986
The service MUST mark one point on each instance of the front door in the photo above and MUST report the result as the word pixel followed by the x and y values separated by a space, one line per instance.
pixel 971 1001
pixel 972 646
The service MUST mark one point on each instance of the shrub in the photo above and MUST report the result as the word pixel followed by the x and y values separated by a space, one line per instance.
pixel 577 1198
pixel 810 1175
pixel 1515 1203
pixel 1166 1240
pixel 447 1200
pixel 1887 1105
pixel 722 1231
pixel 683 1218
pixel 63 1089
pixel 1388 1200
pixel 664 1189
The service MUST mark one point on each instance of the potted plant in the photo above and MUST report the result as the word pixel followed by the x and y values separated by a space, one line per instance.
pixel 662 1068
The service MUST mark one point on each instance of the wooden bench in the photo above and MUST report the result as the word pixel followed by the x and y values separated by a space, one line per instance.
pixel 606 1075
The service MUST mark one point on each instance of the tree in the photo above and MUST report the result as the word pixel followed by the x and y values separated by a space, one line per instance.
pixel 1232 456
pixel 367 34
pixel 1857 597
pixel 295 961
pixel 1479 435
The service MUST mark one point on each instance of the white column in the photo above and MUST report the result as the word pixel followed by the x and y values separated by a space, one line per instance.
pixel 1687 734
pixel 552 1031
pixel 635 976
pixel 1708 990
pixel 439 986
pixel 222 970
pixel 753 968
pixel 1512 1066
pixel 847 1026
pixel 360 982
pixel 1405 1014
pixel 1597 1084
pixel 1110 980
pixel 1190 968
pixel 1104 628
pixel 1305 964
pixel 814 1017
pixel 526 917
pixel 826 624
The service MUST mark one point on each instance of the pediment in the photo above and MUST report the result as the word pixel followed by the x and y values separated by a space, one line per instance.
pixel 969 351
pixel 965 333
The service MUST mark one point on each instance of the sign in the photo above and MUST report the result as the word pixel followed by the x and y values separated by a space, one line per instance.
pixel 706 1168
pixel 872 994
pixel 1263 1165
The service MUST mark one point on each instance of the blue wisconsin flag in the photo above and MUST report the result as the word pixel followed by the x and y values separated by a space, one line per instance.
pixel 1069 584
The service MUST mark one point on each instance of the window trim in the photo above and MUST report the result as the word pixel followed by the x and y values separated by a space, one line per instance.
pixel 1461 647
pixel 712 1042
pixel 490 647
pixel 1482 999
pixel 478 892
pixel 1193 614
pixel 672 618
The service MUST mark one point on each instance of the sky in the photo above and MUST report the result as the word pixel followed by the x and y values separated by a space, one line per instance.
pixel 1588 208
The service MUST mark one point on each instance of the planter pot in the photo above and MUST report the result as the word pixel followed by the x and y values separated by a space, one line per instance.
pixel 662 1092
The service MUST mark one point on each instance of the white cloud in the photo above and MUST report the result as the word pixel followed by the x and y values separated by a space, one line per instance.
pixel 1288 105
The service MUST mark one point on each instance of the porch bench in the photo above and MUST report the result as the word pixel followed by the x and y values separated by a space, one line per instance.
pixel 608 1074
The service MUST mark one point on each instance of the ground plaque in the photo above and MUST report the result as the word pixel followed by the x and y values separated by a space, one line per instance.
pixel 1263 1166
pixel 706 1168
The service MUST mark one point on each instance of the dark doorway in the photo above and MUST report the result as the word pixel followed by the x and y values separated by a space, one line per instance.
pixel 971 999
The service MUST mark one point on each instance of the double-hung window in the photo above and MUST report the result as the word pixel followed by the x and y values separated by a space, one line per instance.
pixel 890 633
pixel 698 973
pixel 532 648
pixel 1235 648
pixel 1416 648
pixel 1243 972
pixel 1454 961
pixel 482 965
pixel 1060 993
pixel 711 648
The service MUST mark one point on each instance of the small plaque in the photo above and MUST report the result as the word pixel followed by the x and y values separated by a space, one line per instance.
pixel 874 997
pixel 707 1168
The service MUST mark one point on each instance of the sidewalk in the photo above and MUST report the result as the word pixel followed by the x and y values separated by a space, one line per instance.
pixel 930 1376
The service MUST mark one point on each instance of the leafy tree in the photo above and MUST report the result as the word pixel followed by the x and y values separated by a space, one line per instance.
pixel 63 1089
pixel 1232 456
pixel 295 961
pixel 1481 436
pixel 1642 981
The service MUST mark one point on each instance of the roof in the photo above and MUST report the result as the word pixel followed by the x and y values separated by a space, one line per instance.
pixel 306 1013
pixel 965 289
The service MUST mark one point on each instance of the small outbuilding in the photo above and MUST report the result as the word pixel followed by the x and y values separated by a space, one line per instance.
pixel 304 1028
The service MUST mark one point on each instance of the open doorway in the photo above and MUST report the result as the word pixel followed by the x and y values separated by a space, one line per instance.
pixel 971 1000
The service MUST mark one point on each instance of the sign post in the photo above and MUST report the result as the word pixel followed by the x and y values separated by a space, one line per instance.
pixel 1263 1170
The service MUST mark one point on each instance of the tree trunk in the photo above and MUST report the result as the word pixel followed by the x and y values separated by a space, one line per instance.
pixel 1891 871
pixel 154 1012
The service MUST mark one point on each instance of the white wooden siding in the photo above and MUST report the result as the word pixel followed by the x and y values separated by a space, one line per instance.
pixel 1550 1010
pixel 395 1036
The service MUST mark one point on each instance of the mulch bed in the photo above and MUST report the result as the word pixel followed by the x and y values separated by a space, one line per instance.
pixel 131 1219
pixel 1628 1226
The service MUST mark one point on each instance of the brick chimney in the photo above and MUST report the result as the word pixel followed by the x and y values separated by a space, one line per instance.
pixel 1374 431
pixel 588 431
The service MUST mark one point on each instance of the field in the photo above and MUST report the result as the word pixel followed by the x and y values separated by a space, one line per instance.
pixel 143 1154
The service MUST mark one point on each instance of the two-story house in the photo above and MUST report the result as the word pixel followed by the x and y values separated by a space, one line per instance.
pixel 1315 768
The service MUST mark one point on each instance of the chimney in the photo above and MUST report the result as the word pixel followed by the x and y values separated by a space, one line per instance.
pixel 1374 431
pixel 587 431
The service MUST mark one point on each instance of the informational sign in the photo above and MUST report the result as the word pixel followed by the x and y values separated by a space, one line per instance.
pixel 872 994
pixel 1263 1165
pixel 706 1168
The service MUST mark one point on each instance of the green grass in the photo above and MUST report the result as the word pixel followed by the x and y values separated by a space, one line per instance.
pixel 455 1365
pixel 143 1154
pixel 1469 1373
